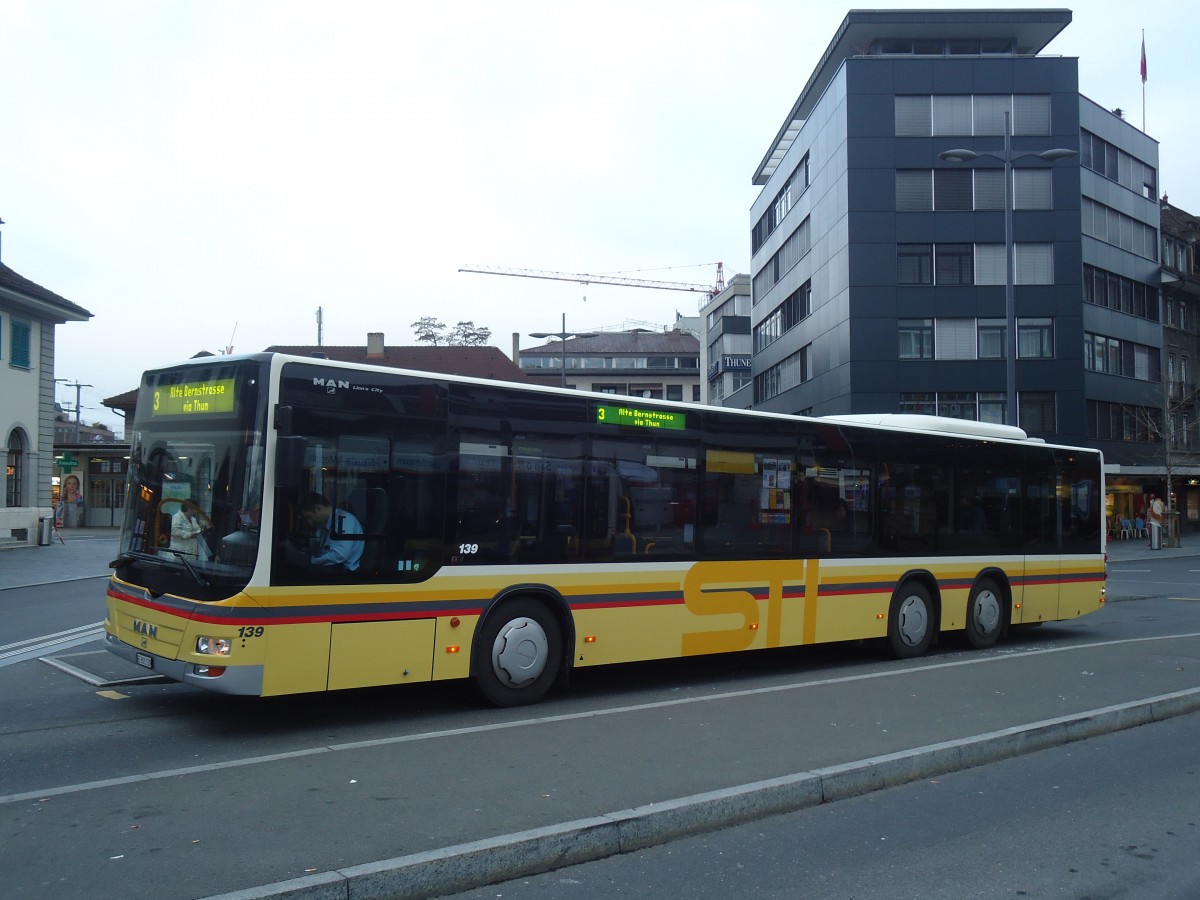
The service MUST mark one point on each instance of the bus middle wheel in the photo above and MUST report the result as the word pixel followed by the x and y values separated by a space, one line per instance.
pixel 910 620
pixel 518 653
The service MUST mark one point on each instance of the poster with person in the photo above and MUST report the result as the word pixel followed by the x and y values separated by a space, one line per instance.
pixel 69 513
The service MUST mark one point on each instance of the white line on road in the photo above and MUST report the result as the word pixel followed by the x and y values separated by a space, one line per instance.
pixel 566 717
pixel 31 647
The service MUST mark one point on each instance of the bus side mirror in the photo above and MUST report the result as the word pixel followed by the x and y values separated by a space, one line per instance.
pixel 289 460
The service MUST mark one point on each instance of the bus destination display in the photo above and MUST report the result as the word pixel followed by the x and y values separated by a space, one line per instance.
pixel 644 418
pixel 194 398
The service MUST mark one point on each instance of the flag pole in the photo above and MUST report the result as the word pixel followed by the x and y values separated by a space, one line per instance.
pixel 1143 80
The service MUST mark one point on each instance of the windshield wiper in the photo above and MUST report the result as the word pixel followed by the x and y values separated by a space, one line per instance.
pixel 182 557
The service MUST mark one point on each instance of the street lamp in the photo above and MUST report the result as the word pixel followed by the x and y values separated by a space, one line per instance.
pixel 1007 156
pixel 562 336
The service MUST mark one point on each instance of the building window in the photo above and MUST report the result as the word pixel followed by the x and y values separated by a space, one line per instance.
pixel 993 407
pixel 957 405
pixel 986 406
pixel 15 470
pixel 1113 356
pixel 914 190
pixel 916 264
pixel 993 339
pixel 1106 224
pixel 1036 412
pixel 918 403
pixel 1035 338
pixel 20 352
pixel 1101 157
pixel 1032 188
pixel 795 308
pixel 955 339
pixel 674 391
pixel 1033 264
pixel 952 189
pixel 966 115
pixel 955 263
pixel 1121 422
pixel 784 375
pixel 1117 292
pixel 916 338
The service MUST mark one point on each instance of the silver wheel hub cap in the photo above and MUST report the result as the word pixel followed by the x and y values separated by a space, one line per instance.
pixel 520 652
pixel 986 612
pixel 913 621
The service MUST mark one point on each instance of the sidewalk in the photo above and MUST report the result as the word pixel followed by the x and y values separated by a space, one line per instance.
pixel 1139 548
pixel 82 553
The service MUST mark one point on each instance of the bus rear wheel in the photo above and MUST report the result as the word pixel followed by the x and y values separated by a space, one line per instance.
pixel 518 653
pixel 985 614
pixel 910 620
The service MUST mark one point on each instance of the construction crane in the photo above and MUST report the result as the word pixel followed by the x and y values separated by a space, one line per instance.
pixel 584 278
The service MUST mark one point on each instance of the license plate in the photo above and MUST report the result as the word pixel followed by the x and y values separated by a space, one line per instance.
pixel 145 660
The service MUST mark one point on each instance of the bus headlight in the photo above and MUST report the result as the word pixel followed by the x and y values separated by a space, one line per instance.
pixel 210 646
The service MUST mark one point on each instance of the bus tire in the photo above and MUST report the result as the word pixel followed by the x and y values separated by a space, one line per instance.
pixel 985 614
pixel 910 620
pixel 518 653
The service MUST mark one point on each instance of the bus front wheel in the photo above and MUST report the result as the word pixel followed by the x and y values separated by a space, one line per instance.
pixel 985 615
pixel 518 653
pixel 910 620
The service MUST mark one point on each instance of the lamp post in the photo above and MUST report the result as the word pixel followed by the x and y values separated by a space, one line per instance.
pixel 562 336
pixel 1007 156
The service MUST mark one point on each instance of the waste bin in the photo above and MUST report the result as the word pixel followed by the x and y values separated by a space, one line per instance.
pixel 45 531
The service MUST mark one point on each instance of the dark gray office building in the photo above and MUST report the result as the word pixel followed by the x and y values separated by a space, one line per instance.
pixel 880 268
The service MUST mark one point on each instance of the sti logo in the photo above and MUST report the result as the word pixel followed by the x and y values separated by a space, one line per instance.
pixel 331 384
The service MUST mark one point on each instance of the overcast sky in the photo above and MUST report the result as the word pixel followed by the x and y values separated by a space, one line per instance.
pixel 200 174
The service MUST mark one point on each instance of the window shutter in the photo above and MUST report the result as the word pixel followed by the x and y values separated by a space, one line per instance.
pixel 1031 114
pixel 914 191
pixel 1033 264
pixel 1032 189
pixel 952 114
pixel 990 265
pixel 989 188
pixel 989 113
pixel 913 116
pixel 954 338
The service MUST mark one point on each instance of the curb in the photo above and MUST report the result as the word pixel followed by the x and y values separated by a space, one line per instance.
pixel 478 863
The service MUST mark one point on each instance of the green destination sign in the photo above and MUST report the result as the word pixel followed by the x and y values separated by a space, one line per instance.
pixel 194 398
pixel 644 418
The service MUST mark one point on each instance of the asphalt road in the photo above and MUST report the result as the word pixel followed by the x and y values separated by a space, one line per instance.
pixel 147 789
pixel 1115 816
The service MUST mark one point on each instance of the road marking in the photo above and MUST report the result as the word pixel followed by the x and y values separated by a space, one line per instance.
pixel 566 717
pixel 112 695
pixel 36 646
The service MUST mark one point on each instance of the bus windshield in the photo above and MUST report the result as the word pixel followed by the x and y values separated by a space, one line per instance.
pixel 195 482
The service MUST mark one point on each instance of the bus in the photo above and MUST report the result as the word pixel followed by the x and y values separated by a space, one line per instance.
pixel 355 525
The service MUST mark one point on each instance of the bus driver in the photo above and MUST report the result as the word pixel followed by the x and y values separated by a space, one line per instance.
pixel 332 524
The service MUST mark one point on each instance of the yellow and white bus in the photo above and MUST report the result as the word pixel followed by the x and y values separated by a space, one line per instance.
pixel 508 534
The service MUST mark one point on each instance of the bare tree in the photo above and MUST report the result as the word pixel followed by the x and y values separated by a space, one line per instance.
pixel 429 330
pixel 433 331
pixel 465 334
pixel 1169 425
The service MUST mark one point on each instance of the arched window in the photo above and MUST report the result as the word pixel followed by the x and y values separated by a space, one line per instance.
pixel 15 470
